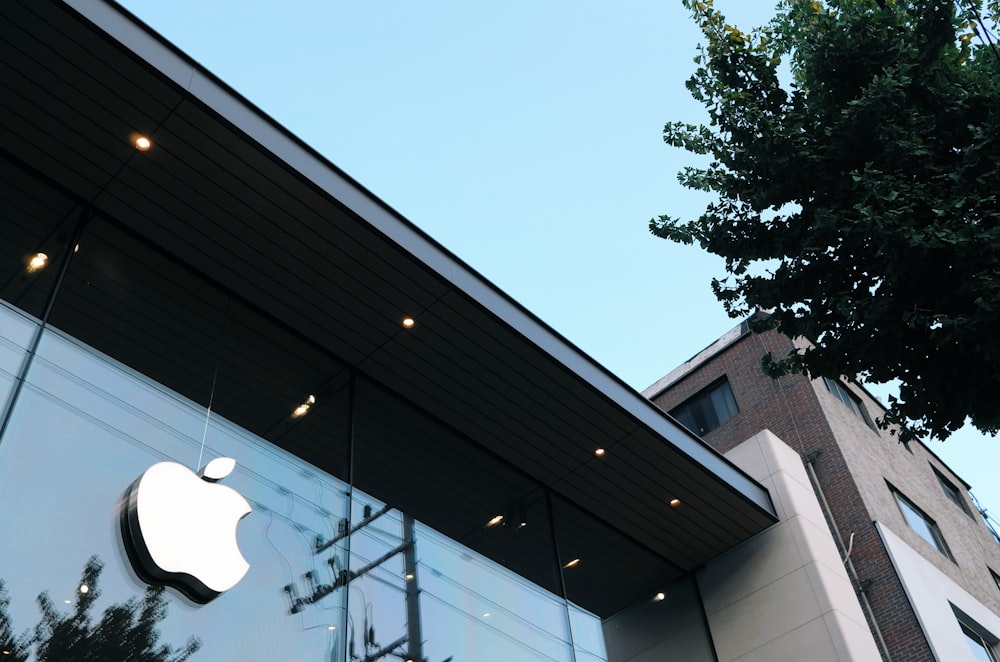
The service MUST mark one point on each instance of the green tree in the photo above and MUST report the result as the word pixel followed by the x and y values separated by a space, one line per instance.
pixel 126 631
pixel 852 153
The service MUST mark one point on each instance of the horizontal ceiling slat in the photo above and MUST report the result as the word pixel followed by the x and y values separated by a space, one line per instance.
pixel 318 217
pixel 517 368
pixel 89 52
pixel 607 419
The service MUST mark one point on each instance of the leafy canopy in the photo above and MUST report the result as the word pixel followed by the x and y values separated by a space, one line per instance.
pixel 852 153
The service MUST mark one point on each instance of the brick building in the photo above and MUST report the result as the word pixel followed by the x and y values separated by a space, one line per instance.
pixel 922 561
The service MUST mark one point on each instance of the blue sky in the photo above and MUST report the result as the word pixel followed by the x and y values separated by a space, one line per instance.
pixel 523 136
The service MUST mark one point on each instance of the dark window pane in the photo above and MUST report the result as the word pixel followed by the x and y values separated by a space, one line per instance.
pixel 925 527
pixel 708 409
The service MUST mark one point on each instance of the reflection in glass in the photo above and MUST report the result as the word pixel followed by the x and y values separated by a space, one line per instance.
pixel 125 631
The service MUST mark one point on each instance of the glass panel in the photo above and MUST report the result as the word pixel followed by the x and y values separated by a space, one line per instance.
pixel 83 429
pixel 16 332
pixel 707 410
pixel 668 626
pixel 38 224
pixel 980 649
pixel 588 637
pixel 919 523
pixel 588 547
pixel 490 598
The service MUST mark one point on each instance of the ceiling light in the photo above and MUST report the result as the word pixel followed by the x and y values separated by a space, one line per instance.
pixel 572 564
pixel 303 409
pixel 142 143
pixel 487 615
pixel 84 588
pixel 674 503
pixel 331 627
pixel 659 597
pixel 496 520
pixel 37 262
pixel 69 602
pixel 408 576
pixel 599 452
pixel 409 322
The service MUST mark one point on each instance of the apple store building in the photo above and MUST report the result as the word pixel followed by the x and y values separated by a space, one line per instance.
pixel 249 412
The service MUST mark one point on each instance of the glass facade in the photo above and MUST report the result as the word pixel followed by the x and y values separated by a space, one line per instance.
pixel 337 570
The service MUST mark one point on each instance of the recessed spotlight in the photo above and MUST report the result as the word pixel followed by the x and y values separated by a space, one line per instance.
pixel 408 576
pixel 572 564
pixel 37 262
pixel 659 597
pixel 599 452
pixel 331 627
pixel 496 520
pixel 142 143
pixel 487 615
pixel 84 588
pixel 69 602
pixel 409 322
pixel 303 409
pixel 675 502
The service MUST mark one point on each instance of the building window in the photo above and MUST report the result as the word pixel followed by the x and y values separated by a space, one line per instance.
pixel 850 400
pixel 952 492
pixel 979 642
pixel 708 409
pixel 925 527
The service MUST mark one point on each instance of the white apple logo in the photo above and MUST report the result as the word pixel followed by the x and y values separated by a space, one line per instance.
pixel 179 528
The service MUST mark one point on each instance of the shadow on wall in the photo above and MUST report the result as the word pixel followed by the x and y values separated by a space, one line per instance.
pixel 125 631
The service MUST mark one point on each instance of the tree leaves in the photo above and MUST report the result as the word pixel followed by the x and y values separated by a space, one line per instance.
pixel 856 199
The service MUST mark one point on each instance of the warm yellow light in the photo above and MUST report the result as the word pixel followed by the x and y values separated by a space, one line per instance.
pixel 572 564
pixel 37 262
pixel 303 409
pixel 659 596
pixel 409 322
pixel 142 143
pixel 496 520
pixel 674 503
pixel 408 576
pixel 599 452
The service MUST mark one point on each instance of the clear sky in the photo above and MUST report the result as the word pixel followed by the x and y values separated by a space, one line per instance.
pixel 523 136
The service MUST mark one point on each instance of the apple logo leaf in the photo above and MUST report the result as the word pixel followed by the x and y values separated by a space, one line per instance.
pixel 218 469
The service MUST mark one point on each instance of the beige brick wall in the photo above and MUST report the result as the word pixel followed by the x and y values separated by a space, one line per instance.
pixel 874 457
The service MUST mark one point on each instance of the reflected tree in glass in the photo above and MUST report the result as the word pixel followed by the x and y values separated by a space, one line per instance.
pixel 14 647
pixel 125 631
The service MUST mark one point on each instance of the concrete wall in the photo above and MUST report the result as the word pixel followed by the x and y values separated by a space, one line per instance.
pixel 784 595
pixel 935 598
